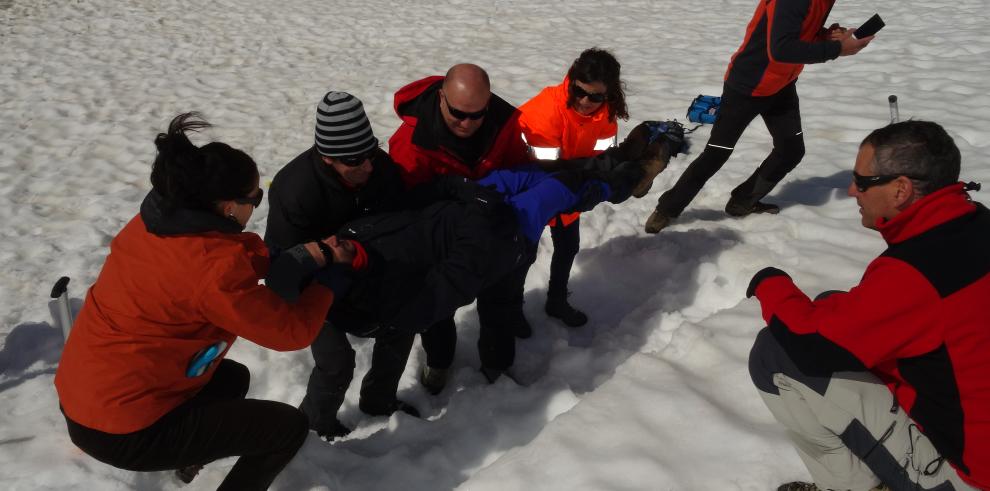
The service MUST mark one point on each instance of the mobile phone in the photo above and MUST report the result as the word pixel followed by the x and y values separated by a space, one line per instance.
pixel 869 28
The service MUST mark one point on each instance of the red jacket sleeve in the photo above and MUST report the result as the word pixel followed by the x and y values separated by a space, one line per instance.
pixel 891 314
pixel 232 300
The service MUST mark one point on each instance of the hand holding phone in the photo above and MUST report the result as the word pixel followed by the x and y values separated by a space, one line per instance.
pixel 869 28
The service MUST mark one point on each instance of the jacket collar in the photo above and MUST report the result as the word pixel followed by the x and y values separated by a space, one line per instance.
pixel 418 104
pixel 182 221
pixel 935 209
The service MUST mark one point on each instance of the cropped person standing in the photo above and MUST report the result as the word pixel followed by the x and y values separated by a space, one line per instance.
pixel 142 381
pixel 889 383
pixel 761 80
pixel 576 118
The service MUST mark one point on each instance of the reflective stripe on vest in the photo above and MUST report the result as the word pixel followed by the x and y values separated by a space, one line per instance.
pixel 546 153
pixel 604 144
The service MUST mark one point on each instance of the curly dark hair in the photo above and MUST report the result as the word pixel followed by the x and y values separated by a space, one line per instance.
pixel 599 65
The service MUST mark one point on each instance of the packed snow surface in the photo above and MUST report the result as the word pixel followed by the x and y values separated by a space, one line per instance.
pixel 653 393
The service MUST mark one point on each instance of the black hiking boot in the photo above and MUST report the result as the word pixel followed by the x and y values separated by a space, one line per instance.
pixel 741 209
pixel 332 430
pixel 188 473
pixel 558 307
pixel 433 379
pixel 658 221
pixel 491 374
pixel 396 405
pixel 521 328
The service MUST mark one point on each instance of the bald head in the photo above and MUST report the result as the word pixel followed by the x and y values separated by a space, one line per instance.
pixel 465 91
pixel 466 77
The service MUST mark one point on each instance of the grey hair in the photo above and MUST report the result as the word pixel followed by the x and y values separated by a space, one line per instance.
pixel 921 150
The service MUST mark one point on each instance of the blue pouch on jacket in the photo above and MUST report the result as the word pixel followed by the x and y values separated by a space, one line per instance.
pixel 704 109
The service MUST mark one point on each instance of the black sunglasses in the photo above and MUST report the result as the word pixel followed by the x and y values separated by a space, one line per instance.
pixel 357 160
pixel 255 201
pixel 863 183
pixel 579 93
pixel 462 115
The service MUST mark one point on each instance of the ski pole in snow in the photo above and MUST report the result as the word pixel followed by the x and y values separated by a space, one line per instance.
pixel 60 292
pixel 894 114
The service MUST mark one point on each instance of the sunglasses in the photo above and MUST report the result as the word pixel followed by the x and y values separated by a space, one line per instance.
pixel 578 93
pixel 462 115
pixel 863 183
pixel 255 201
pixel 357 160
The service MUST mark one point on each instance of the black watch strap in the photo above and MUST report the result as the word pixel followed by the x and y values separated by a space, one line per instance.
pixel 326 250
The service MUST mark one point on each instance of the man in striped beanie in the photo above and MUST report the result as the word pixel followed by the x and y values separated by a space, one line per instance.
pixel 342 177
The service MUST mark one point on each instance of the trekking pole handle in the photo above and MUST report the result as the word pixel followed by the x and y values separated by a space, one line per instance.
pixel 60 292
pixel 894 113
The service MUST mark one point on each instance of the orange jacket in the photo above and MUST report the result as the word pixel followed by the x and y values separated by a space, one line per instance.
pixel 547 122
pixel 157 302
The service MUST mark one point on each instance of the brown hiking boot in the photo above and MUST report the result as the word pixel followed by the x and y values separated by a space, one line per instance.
pixel 654 162
pixel 741 210
pixel 433 379
pixel 658 221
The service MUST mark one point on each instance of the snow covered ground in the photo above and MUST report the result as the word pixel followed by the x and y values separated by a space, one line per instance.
pixel 652 394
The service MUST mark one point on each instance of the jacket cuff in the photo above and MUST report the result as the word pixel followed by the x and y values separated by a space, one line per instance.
pixel 832 49
pixel 760 276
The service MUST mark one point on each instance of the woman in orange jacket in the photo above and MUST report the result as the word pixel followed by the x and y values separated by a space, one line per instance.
pixel 143 382
pixel 574 119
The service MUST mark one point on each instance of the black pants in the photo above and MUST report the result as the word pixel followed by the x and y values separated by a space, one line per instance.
pixel 566 243
pixel 499 309
pixel 334 369
pixel 218 422
pixel 782 115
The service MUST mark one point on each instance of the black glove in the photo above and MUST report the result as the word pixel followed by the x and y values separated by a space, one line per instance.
pixel 337 277
pixel 290 271
pixel 760 276
pixel 467 191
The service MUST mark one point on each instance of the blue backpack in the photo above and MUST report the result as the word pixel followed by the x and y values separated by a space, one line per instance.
pixel 704 109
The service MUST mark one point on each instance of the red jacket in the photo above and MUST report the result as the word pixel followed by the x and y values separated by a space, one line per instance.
pixel 918 320
pixel 157 302
pixel 547 122
pixel 781 38
pixel 417 145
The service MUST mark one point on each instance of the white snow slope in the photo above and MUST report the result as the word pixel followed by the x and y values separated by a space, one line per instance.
pixel 652 394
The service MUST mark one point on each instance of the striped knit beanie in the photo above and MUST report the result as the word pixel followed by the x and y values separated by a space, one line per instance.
pixel 342 127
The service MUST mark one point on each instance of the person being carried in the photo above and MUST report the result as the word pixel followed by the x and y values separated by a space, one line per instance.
pixel 889 383
pixel 342 177
pixel 761 80
pixel 143 381
pixel 423 264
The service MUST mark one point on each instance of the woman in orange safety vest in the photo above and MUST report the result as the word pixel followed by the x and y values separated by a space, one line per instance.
pixel 574 119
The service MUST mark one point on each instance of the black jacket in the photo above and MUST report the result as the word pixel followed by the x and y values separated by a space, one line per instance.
pixel 425 264
pixel 307 201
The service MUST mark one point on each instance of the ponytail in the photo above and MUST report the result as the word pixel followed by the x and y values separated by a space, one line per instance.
pixel 187 176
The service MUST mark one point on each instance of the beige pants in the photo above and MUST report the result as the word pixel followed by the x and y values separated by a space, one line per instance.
pixel 856 402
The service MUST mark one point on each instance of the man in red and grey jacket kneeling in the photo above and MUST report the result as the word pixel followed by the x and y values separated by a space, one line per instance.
pixel 888 384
